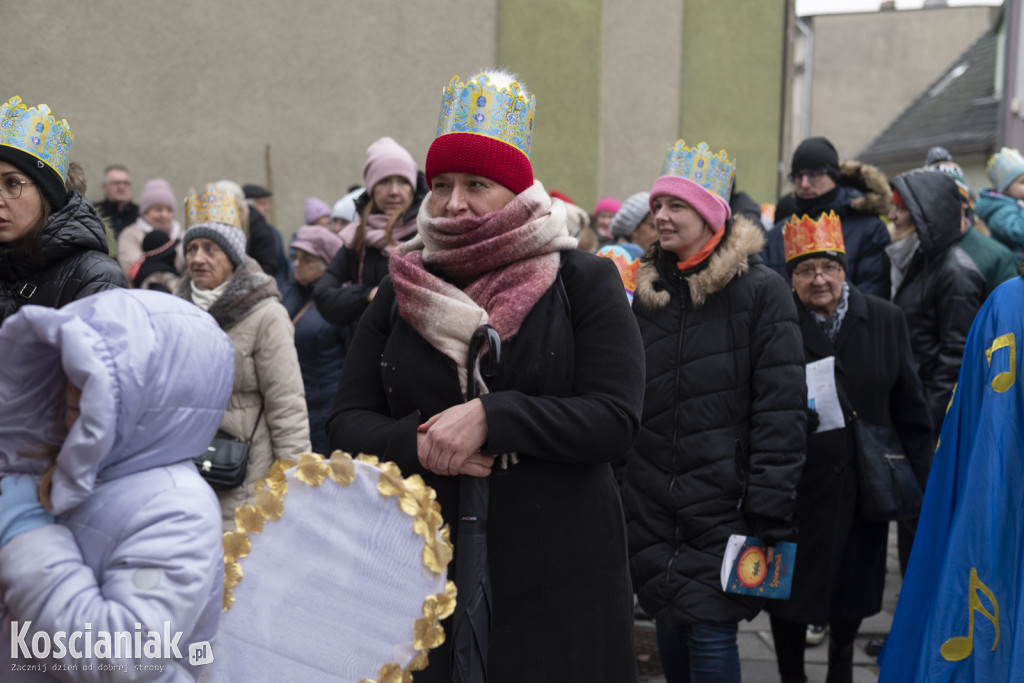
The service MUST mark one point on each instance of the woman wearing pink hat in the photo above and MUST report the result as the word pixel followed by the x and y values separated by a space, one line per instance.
pixel 387 216
pixel 604 212
pixel 493 256
pixel 722 440
pixel 156 212
pixel 321 346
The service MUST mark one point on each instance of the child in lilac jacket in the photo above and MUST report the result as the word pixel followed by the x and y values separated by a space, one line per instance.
pixel 111 562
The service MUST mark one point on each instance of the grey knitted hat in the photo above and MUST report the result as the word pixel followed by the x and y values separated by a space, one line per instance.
pixel 229 238
pixel 629 216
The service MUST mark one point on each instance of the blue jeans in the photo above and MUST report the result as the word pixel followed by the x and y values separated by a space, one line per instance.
pixel 699 653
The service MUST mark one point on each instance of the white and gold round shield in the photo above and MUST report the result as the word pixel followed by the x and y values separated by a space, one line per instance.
pixel 336 573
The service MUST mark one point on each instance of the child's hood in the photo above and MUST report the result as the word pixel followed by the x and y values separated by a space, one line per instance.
pixel 155 371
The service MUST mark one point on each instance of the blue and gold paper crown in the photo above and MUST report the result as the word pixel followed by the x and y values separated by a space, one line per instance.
pixel 713 172
pixel 211 206
pixel 35 131
pixel 478 107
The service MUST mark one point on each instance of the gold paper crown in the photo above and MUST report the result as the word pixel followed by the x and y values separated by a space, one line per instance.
pixel 211 206
pixel 803 235
pixel 711 171
pixel 35 131
pixel 478 107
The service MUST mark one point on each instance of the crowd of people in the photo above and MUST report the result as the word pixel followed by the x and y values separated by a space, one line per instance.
pixel 641 396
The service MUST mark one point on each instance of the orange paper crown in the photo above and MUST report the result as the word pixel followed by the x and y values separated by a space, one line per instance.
pixel 805 235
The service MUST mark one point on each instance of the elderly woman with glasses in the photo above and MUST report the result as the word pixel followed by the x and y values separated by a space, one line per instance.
pixel 840 565
pixel 53 248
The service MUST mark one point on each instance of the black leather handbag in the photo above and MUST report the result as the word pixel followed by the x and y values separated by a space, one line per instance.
pixel 224 462
pixel 888 485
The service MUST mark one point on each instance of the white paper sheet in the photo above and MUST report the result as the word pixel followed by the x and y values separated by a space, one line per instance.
pixel 822 396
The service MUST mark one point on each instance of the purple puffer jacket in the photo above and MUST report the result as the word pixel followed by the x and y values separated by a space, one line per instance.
pixel 137 547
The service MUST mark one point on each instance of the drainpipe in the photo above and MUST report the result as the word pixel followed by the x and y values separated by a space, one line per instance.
pixel 808 34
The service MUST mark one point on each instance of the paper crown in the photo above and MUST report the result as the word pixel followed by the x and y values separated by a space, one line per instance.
pixel 713 172
pixel 35 131
pixel 478 107
pixel 211 206
pixel 1004 166
pixel 805 235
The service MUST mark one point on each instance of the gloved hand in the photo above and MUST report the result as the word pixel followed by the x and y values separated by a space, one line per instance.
pixel 813 420
pixel 20 509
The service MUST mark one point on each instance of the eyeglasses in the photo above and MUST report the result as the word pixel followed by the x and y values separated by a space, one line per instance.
pixel 119 182
pixel 811 176
pixel 829 272
pixel 10 188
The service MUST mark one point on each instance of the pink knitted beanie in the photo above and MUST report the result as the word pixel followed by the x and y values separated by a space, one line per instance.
pixel 709 205
pixel 384 158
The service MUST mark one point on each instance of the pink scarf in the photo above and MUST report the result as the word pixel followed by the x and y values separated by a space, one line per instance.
pixel 375 233
pixel 503 263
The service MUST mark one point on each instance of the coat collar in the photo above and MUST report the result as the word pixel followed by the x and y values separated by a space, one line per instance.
pixel 730 259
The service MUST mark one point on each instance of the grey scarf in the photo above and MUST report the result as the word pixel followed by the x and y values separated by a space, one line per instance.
pixel 831 324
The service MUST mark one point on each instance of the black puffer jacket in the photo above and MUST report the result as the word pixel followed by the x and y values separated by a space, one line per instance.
pixel 341 294
pixel 70 262
pixel 722 440
pixel 861 197
pixel 942 289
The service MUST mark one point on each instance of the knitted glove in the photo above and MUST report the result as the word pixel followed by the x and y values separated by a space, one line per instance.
pixel 20 509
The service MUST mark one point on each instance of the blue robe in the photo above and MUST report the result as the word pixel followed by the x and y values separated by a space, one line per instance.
pixel 959 615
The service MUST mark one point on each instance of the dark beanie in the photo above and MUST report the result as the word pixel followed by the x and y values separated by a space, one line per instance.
pixel 49 182
pixel 814 154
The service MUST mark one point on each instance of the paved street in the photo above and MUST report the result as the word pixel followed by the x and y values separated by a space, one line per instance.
pixel 755 640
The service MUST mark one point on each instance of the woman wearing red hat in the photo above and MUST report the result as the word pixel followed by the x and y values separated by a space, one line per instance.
pixel 722 440
pixel 492 249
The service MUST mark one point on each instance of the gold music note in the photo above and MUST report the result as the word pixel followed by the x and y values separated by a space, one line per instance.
pixel 1004 380
pixel 960 647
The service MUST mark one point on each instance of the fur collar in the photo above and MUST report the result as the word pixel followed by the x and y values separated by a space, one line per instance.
pixel 877 197
pixel 729 260
pixel 247 287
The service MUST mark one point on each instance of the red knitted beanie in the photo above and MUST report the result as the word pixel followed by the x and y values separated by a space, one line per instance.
pixel 482 156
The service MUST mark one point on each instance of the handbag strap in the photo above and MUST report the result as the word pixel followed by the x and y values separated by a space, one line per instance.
pixel 302 311
pixel 256 426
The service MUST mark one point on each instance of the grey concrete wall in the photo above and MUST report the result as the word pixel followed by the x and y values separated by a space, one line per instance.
pixel 193 91
pixel 867 68
pixel 641 77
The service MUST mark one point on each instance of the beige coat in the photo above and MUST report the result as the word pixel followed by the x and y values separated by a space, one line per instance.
pixel 267 370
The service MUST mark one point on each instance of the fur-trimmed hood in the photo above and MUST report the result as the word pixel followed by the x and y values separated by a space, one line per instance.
pixel 730 259
pixel 247 287
pixel 875 195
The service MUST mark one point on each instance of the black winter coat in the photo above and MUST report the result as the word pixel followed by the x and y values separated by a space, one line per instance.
pixel 69 262
pixel 262 243
pixel 942 289
pixel 722 441
pixel 321 347
pixel 342 292
pixel 840 559
pixel 567 400
pixel 863 194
